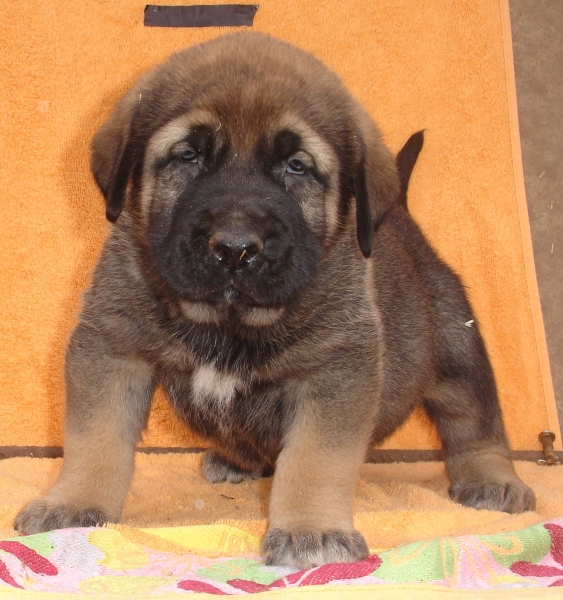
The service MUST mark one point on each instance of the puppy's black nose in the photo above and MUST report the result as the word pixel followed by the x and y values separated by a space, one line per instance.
pixel 234 251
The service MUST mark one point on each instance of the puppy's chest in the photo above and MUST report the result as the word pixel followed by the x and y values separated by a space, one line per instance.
pixel 217 402
pixel 210 385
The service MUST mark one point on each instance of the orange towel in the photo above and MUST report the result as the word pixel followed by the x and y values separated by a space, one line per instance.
pixel 434 64
pixel 396 503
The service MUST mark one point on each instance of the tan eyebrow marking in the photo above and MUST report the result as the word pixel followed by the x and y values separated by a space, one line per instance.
pixel 175 131
pixel 326 161
pixel 161 143
pixel 325 157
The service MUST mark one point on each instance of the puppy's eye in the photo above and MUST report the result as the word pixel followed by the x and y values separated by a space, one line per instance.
pixel 296 167
pixel 188 156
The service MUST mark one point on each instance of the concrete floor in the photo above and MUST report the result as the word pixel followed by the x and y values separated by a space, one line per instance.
pixel 537 38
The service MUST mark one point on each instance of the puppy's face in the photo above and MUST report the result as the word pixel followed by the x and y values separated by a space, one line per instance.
pixel 240 159
pixel 238 207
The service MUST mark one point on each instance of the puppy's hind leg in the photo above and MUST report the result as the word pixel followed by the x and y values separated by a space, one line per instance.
pixel 464 404
pixel 108 400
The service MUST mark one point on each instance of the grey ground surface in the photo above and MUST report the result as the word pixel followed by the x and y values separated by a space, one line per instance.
pixel 537 36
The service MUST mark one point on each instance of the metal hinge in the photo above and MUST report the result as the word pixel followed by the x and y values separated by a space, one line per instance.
pixel 547 438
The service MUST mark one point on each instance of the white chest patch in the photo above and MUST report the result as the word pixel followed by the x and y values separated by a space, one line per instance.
pixel 210 384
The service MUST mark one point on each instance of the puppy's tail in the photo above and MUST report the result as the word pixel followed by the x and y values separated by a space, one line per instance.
pixel 406 159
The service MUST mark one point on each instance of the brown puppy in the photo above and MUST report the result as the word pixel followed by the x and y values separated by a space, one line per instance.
pixel 263 268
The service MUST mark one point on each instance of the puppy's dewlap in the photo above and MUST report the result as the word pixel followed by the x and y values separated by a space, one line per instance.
pixel 247 187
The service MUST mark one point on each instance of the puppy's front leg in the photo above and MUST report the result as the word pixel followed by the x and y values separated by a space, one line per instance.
pixel 312 501
pixel 108 399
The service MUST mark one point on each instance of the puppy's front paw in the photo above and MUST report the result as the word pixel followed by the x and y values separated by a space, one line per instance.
pixel 511 497
pixel 308 549
pixel 39 516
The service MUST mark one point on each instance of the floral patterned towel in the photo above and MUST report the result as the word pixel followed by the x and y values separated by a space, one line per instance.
pixel 126 561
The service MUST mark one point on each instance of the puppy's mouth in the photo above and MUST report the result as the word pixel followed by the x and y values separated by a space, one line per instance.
pixel 233 295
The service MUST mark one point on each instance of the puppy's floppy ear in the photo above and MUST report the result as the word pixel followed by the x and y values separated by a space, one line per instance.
pixel 376 183
pixel 112 153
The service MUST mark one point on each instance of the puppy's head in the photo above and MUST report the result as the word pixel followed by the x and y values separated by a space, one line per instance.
pixel 241 158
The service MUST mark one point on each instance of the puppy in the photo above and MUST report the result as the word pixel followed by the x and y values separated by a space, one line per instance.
pixel 264 269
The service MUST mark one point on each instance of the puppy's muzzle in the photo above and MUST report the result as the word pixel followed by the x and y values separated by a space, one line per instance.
pixel 235 251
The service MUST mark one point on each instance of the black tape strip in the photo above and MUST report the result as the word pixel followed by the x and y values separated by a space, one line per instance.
pixel 203 15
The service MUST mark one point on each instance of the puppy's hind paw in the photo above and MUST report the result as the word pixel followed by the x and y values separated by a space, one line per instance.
pixel 217 469
pixel 308 549
pixel 39 516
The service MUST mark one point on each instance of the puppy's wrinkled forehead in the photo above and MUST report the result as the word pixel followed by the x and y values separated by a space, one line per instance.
pixel 245 131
